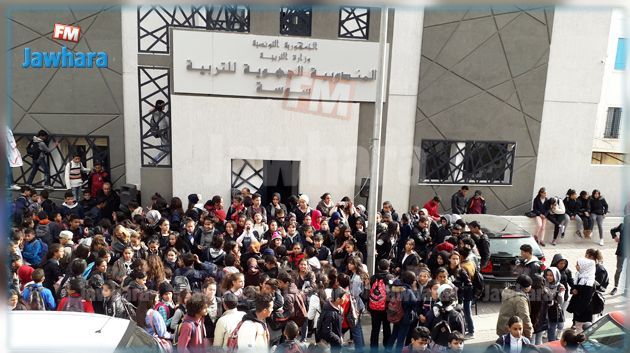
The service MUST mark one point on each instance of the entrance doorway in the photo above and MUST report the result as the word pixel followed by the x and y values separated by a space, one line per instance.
pixel 266 177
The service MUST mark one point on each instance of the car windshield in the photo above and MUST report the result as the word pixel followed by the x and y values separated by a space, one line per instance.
pixel 605 334
pixel 138 341
pixel 511 247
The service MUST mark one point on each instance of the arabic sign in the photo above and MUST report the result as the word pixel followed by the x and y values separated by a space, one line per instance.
pixel 235 64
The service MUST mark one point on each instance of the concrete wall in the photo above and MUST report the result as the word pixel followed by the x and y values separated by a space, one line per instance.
pixel 211 131
pixel 574 86
pixel 69 101
pixel 482 77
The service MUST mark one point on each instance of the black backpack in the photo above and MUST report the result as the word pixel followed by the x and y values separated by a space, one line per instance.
pixel 478 285
pixel 32 149
pixel 601 277
pixel 35 299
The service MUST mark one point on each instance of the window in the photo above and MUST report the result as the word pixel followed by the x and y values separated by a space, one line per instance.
pixel 354 22
pixel 613 121
pixel 609 158
pixel 465 162
pixel 296 20
pixel 622 54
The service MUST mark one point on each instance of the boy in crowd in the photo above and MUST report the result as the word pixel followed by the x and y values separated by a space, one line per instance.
pixel 420 341
pixel 35 289
pixel 73 175
pixel 455 342
pixel 70 207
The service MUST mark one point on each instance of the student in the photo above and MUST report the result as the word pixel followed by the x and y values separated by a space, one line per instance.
pixel 150 320
pixel 329 326
pixel 513 341
pixel 291 344
pixel 52 270
pixel 598 209
pixel 455 342
pixel 477 204
pixel 618 237
pixel 235 283
pixel 253 334
pixel 180 311
pixel 34 248
pixel 73 175
pixel 113 304
pixel 515 302
pixel 530 265
pixel 458 201
pixel 15 302
pixel 555 311
pixel 228 321
pixel 420 341
pixel 191 333
pixel 97 178
pixel 34 290
pixel 165 305
pixel 70 206
pixel 74 301
pixel 41 152
pixel 540 213
pixel 401 288
pixel 571 340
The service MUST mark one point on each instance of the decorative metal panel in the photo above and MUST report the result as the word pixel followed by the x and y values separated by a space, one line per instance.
pixel 155 127
pixel 466 162
pixel 231 18
pixel 296 20
pixel 354 22
pixel 91 148
pixel 247 172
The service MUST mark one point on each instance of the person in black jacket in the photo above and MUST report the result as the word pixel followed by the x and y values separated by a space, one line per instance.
pixel 599 208
pixel 572 209
pixel 540 213
pixel 617 235
pixel 585 213
pixel 458 201
pixel 380 317
pixel 481 242
pixel 113 303
pixel 329 327
pixel 530 265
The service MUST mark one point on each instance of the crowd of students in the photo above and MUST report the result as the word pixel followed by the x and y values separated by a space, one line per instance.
pixel 251 277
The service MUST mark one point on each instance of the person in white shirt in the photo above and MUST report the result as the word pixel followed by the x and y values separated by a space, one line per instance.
pixel 228 321
pixel 514 342
pixel 72 175
pixel 253 335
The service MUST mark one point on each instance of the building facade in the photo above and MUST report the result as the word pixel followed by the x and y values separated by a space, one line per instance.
pixel 281 99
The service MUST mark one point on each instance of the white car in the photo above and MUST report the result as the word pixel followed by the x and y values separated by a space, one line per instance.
pixel 58 331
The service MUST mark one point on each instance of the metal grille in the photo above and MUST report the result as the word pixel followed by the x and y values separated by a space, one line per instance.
pixel 155 127
pixel 296 20
pixel 613 122
pixel 247 172
pixel 91 148
pixel 154 22
pixel 457 162
pixel 354 22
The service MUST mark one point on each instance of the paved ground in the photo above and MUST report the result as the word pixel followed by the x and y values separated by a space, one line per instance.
pixel 573 248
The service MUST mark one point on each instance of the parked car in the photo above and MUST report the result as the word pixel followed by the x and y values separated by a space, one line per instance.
pixel 505 239
pixel 58 331
pixel 608 334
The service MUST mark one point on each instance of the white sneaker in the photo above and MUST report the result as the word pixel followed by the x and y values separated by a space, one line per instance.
pixel 601 242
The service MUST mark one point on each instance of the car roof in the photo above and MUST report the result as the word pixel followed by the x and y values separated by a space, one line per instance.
pixel 59 331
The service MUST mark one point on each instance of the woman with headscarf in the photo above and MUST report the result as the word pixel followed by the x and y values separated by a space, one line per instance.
pixel 582 292
pixel 302 209
pixel 555 313
pixel 274 206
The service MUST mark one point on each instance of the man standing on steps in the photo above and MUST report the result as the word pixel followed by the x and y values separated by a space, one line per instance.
pixel 40 152
pixel 458 201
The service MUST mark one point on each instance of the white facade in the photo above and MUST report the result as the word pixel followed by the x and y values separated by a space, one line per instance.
pixel 572 98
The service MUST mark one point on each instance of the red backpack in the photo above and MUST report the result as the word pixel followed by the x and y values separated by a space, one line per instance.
pixel 232 341
pixel 378 296
pixel 395 311
pixel 161 304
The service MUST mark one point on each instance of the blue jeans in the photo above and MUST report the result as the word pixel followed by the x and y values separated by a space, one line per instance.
pixel 399 335
pixel 357 336
pixel 41 162
pixel 77 193
pixel 552 331
pixel 470 327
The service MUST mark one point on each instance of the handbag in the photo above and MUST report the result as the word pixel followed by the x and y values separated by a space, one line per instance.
pixel 597 302
pixel 530 214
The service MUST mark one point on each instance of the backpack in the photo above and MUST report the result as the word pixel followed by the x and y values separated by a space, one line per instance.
pixel 232 341
pixel 180 282
pixel 597 302
pixel 395 311
pixel 161 304
pixel 130 309
pixel 290 347
pixel 478 285
pixel 178 331
pixel 32 149
pixel 300 312
pixel 43 251
pixel 35 299
pixel 601 277
pixel 441 330
pixel 74 304
pixel 42 232
pixel 378 296
pixel 88 270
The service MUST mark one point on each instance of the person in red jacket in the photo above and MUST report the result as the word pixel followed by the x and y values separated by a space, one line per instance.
pixel 97 178
pixel 74 301
pixel 190 336
pixel 432 206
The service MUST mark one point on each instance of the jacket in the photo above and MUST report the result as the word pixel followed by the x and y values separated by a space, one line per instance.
pixel 408 300
pixel 572 207
pixel 618 232
pixel 225 325
pixel 555 313
pixel 191 336
pixel 531 267
pixel 253 336
pixel 538 206
pixel 74 209
pixel 458 203
pixel 329 328
pixel 113 306
pixel 87 305
pixel 72 175
pixel 433 209
pixel 505 341
pixel 566 276
pixel 32 252
pixel 47 296
pixel 52 272
pixel 514 303
pixel 598 206
pixel 558 209
pixel 477 205
pixel 117 272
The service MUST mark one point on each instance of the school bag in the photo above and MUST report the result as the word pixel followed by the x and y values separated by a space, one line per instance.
pixel 42 232
pixel 178 331
pixel 300 311
pixel 601 277
pixel 35 299
pixel 180 282
pixel 395 311
pixel 32 149
pixel 378 296
pixel 441 330
pixel 232 342
pixel 597 302
pixel 478 285
pixel 161 304
pixel 74 304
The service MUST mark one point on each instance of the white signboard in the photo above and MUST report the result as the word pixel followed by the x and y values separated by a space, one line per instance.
pixel 235 64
